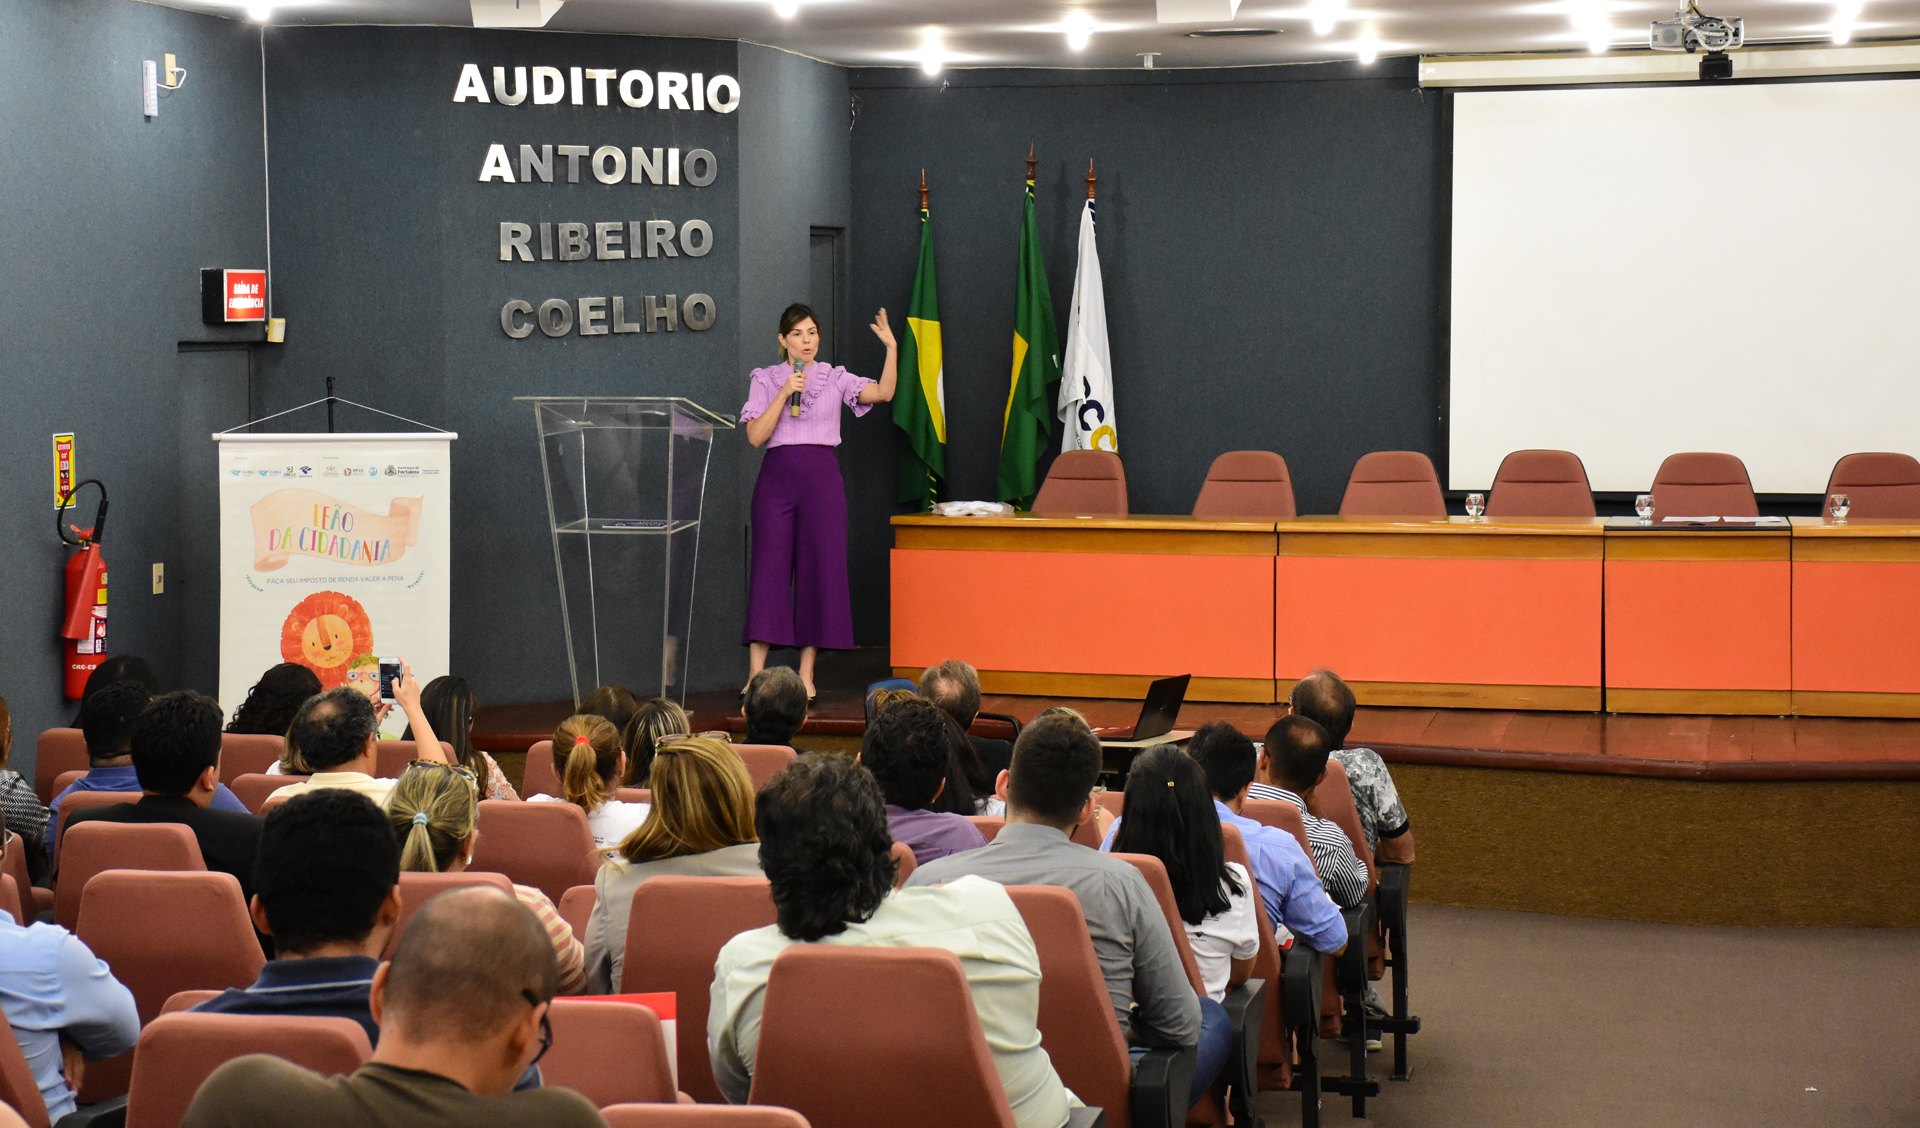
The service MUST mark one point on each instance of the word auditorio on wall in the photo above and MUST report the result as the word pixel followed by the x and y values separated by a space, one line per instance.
pixel 665 90
pixel 594 317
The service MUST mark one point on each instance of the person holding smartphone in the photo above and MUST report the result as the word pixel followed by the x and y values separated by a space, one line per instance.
pixel 798 596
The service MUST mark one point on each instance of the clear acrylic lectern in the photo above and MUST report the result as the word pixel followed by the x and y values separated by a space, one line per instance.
pixel 625 480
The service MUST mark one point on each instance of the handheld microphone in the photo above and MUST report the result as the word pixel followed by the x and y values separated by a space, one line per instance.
pixel 793 401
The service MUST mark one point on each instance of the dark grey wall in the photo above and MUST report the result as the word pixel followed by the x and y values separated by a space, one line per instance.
pixel 1269 238
pixel 106 218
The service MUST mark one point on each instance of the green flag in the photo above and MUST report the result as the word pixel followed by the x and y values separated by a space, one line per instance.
pixel 920 396
pixel 1036 368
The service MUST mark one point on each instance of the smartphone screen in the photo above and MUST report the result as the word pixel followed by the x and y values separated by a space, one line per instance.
pixel 389 677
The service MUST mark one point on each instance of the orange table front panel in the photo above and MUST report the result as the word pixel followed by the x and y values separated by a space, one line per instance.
pixel 1085 612
pixel 1705 626
pixel 1856 626
pixel 1439 620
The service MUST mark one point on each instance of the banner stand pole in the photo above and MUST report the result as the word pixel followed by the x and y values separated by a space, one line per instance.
pixel 330 399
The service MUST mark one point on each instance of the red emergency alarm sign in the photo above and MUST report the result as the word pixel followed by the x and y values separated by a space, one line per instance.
pixel 229 296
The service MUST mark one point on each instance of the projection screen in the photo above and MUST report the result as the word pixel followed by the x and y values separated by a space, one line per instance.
pixel 1643 271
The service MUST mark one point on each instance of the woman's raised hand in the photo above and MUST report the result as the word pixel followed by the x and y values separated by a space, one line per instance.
pixel 882 330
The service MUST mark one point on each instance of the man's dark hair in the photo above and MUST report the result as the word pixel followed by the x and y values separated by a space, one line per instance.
pixel 107 717
pixel 332 728
pixel 1056 762
pixel 120 667
pixel 954 686
pixel 824 845
pixel 175 738
pixel 326 861
pixel 1226 756
pixel 908 748
pixel 1297 749
pixel 776 706
pixel 1323 698
pixel 437 991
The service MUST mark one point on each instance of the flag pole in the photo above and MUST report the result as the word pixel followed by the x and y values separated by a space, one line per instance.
pixel 1091 178
pixel 923 189
pixel 1030 163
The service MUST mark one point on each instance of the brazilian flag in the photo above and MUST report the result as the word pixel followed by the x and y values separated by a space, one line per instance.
pixel 920 396
pixel 1036 369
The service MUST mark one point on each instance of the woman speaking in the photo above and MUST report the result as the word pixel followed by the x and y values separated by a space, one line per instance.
pixel 799 592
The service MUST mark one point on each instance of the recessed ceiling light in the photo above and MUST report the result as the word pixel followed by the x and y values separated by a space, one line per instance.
pixel 1232 32
pixel 786 9
pixel 259 13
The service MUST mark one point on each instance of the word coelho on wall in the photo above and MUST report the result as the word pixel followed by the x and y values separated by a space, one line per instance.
pixel 608 164
pixel 556 316
pixel 635 238
pixel 665 90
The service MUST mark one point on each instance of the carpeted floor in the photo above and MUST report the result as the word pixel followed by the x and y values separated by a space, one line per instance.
pixel 1535 1020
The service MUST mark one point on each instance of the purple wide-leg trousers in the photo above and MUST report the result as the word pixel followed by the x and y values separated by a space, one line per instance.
pixel 799 592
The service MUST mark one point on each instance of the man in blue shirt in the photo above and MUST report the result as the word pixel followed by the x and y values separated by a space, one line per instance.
pixel 63 1004
pixel 1289 886
pixel 106 721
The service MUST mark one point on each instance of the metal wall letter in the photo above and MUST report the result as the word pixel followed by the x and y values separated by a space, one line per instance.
pixel 513 240
pixel 652 314
pixel 556 317
pixel 573 242
pixel 607 175
pixel 593 311
pixel 620 322
pixel 701 320
pixel 511 327
pixel 606 241
pixel 692 232
pixel 519 85
pixel 701 168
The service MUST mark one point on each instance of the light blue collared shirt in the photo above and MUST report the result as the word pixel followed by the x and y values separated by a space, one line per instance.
pixel 1288 884
pixel 51 984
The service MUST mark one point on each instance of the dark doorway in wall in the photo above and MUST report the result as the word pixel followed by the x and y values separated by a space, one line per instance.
pixel 826 259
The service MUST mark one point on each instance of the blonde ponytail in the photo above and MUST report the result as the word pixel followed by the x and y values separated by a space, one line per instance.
pixel 416 853
pixel 433 809
pixel 586 751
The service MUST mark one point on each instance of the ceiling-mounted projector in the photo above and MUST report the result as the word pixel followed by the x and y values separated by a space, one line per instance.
pixel 514 13
pixel 1691 30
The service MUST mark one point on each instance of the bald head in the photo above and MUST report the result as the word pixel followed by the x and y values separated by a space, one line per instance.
pixel 1324 699
pixel 464 966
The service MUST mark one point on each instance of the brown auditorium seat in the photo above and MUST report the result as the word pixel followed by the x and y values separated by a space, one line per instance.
pixel 59 750
pixel 575 907
pixel 33 899
pixel 700 1116
pixel 675 931
pixel 67 779
pixel 609 1052
pixel 1393 483
pixel 545 845
pixel 393 756
pixel 85 800
pixel 1083 483
pixel 1877 485
pixel 10 899
pixel 416 889
pixel 989 826
pixel 764 761
pixel 539 777
pixel 904 863
pixel 1703 484
pixel 253 788
pixel 18 1090
pixel 860 1037
pixel 245 753
pixel 1541 483
pixel 95 847
pixel 177 1052
pixel 1247 483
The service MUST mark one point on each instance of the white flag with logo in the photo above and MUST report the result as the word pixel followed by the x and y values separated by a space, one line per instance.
pixel 1086 372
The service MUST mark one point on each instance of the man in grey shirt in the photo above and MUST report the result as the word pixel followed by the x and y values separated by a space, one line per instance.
pixel 1048 790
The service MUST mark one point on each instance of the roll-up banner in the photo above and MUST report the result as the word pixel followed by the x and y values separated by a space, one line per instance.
pixel 333 554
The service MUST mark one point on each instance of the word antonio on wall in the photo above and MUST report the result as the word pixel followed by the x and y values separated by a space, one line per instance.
pixel 608 163
pixel 637 89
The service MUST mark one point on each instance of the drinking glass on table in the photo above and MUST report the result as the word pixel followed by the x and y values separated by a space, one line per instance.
pixel 1839 504
pixel 1643 505
pixel 1476 505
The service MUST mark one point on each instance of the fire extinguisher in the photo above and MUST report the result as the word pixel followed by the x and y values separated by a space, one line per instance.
pixel 85 625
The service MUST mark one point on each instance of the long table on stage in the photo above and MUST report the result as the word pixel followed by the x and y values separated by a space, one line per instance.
pixel 1818 618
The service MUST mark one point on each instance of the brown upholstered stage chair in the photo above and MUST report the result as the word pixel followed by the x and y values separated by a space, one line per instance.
pixel 612 1053
pixel 96 847
pixel 1083 483
pixel 1877 485
pixel 546 845
pixel 177 1052
pixel 1703 484
pixel 1541 483
pixel 1247 483
pixel 1393 483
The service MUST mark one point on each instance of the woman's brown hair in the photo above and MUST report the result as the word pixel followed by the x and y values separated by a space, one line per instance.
pixel 702 800
pixel 586 753
pixel 653 722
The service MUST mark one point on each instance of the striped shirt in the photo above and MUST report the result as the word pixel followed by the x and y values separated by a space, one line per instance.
pixel 1341 870
pixel 566 946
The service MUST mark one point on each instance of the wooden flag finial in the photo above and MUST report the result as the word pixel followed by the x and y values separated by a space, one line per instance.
pixel 923 189
pixel 1030 162
pixel 1091 178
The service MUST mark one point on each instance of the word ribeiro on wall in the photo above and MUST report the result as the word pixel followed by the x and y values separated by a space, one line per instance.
pixel 608 164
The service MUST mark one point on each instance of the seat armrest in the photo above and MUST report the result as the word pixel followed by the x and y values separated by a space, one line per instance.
pixel 105 1114
pixel 1246 1007
pixel 1162 1080
pixel 1301 979
pixel 1391 897
pixel 1350 966
pixel 1086 1118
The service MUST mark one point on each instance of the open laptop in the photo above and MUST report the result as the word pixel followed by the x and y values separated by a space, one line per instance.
pixel 1157 714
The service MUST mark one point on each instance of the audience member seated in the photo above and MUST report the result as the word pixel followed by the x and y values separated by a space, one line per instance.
pixel 653 722
pixel 338 734
pixel 274 699
pixel 106 721
pixel 700 825
pixel 20 806
pixel 450 704
pixel 1049 791
pixel 616 703
pixel 1294 761
pixel 1170 816
pixel 955 687
pixel 462 1010
pixel 434 810
pixel 908 748
pixel 176 755
pixel 326 887
pixel 119 667
pixel 1291 889
pixel 776 706
pixel 588 758
pixel 64 1005
pixel 827 854
pixel 1322 697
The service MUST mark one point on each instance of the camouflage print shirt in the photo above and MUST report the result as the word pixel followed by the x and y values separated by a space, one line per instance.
pixel 1381 814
